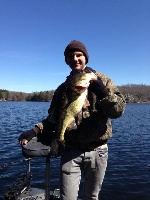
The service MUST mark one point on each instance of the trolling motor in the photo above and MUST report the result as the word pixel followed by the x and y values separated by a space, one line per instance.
pixel 22 183
pixel 22 190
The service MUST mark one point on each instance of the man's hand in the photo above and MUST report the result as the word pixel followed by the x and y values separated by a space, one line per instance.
pixel 27 135
pixel 98 87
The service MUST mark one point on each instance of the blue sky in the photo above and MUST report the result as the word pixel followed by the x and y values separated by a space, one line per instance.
pixel 34 34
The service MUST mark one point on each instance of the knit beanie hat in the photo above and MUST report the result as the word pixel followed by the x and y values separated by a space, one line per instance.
pixel 76 45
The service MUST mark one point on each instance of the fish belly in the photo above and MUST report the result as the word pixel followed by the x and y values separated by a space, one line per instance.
pixel 71 111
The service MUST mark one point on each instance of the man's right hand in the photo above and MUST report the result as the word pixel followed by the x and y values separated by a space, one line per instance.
pixel 28 135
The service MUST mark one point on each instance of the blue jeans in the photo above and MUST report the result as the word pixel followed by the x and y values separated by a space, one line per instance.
pixel 93 165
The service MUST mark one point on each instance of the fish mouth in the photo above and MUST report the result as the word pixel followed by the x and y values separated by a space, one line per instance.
pixel 79 87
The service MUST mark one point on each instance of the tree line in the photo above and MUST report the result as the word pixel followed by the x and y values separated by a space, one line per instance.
pixel 133 93
pixel 6 95
pixel 136 93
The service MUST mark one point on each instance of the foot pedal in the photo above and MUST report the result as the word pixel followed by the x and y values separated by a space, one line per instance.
pixel 55 194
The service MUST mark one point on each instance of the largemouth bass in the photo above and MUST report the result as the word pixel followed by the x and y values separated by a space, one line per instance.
pixel 79 85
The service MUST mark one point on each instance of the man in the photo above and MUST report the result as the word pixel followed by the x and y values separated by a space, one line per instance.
pixel 86 137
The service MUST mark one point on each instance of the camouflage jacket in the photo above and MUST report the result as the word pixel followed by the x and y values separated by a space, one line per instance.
pixel 93 123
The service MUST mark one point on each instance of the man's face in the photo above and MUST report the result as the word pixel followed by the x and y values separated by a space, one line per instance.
pixel 76 60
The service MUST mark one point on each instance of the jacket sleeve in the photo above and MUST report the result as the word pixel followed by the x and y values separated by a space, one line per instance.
pixel 113 105
pixel 48 124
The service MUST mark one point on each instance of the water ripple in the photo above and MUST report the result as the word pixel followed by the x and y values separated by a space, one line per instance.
pixel 127 175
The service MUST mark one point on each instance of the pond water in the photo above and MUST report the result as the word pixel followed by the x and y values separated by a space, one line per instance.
pixel 128 171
